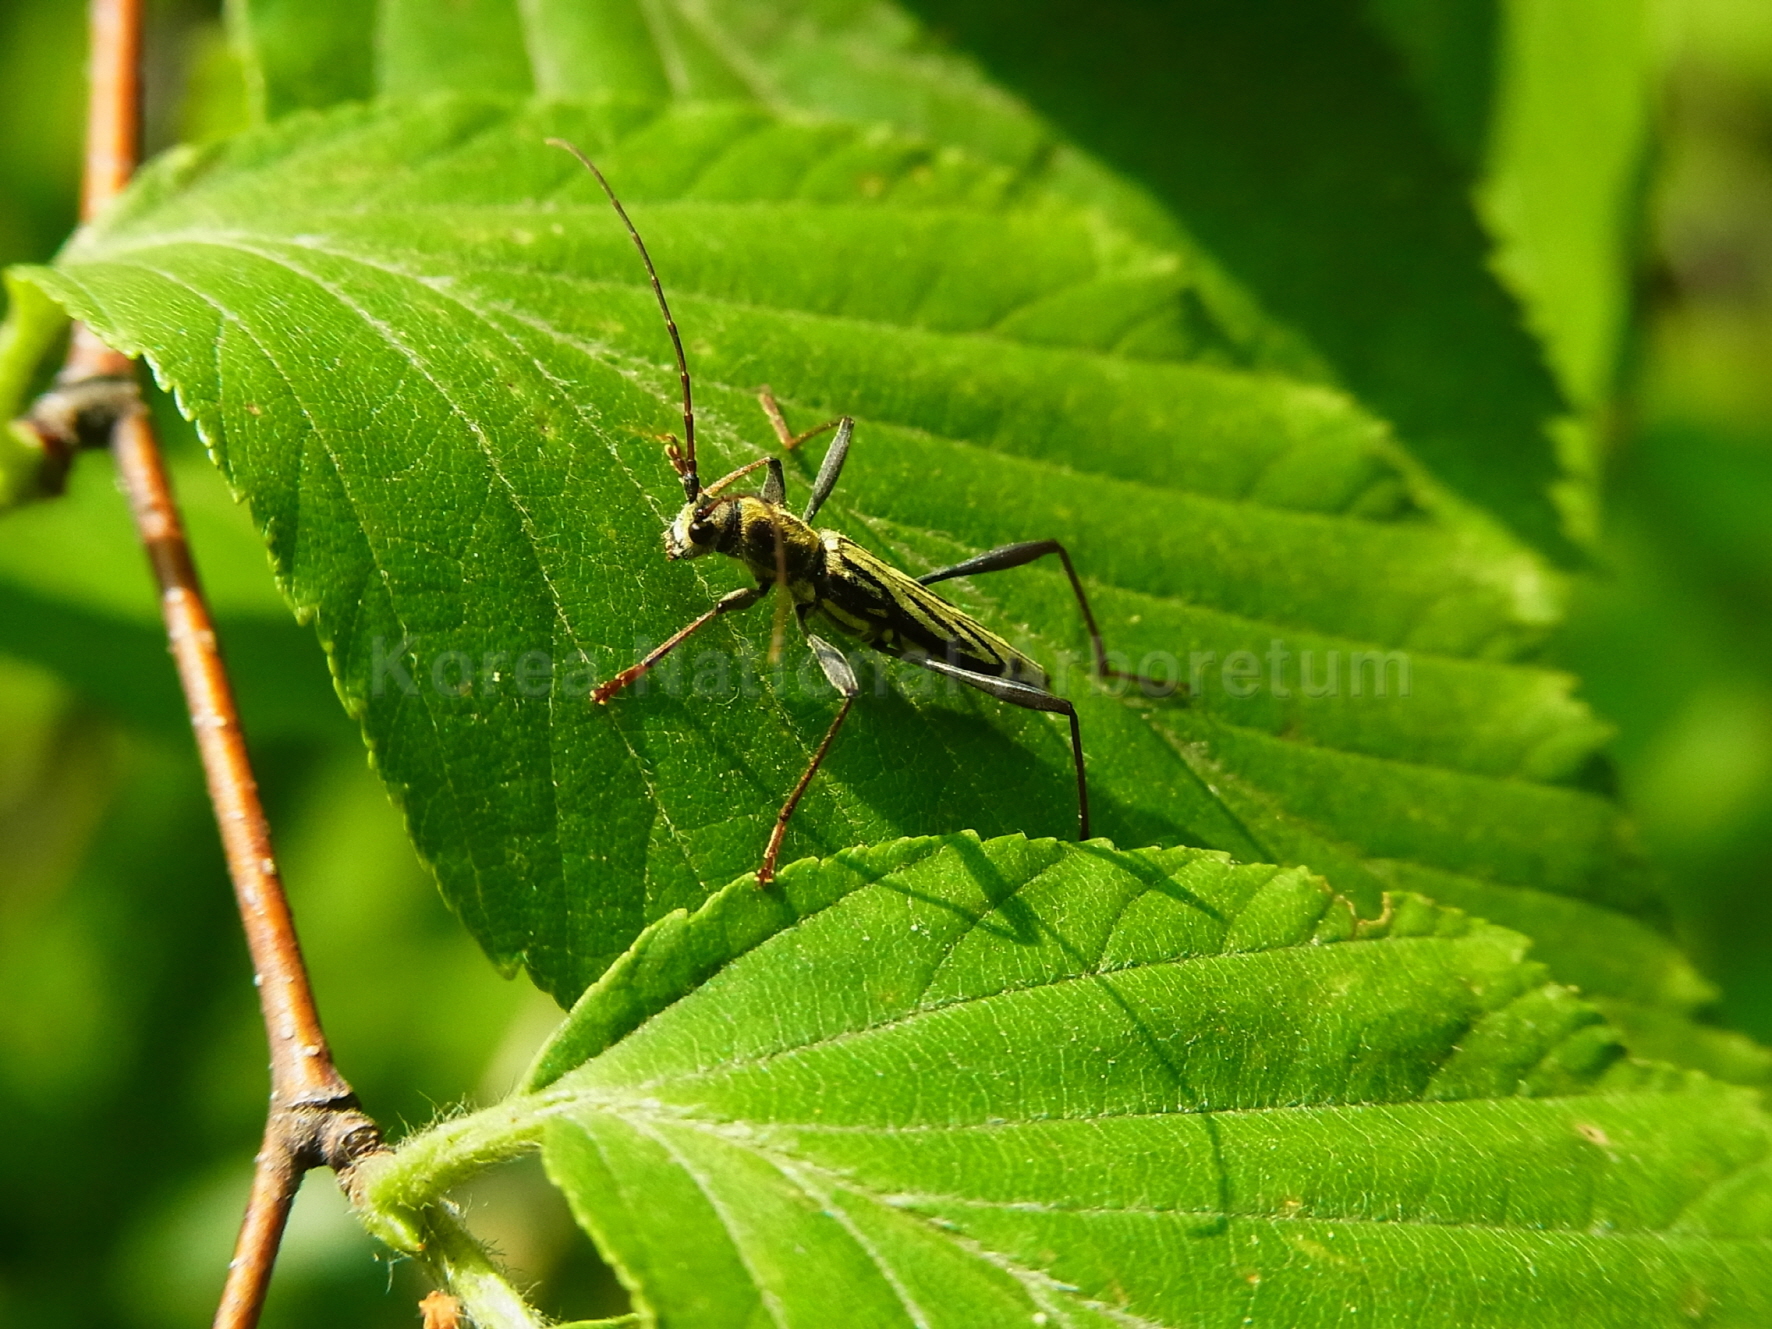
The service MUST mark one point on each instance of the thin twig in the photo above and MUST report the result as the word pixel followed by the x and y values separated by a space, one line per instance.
pixel 113 143
pixel 314 1120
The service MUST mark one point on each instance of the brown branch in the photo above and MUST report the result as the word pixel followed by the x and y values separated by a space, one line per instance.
pixel 314 1119
pixel 113 103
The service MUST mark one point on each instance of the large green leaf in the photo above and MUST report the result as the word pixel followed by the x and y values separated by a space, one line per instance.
pixel 418 342
pixel 946 1082
pixel 1331 176
pixel 870 61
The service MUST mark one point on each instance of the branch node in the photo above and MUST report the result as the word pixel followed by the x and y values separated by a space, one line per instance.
pixel 351 1136
pixel 83 413
pixel 79 413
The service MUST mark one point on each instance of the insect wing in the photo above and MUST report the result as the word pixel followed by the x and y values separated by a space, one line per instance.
pixel 889 609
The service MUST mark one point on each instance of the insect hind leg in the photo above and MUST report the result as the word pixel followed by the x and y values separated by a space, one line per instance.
pixel 1014 556
pixel 842 677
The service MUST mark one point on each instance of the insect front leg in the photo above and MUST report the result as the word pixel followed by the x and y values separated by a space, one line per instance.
pixel 1031 698
pixel 743 598
pixel 842 677
pixel 1014 556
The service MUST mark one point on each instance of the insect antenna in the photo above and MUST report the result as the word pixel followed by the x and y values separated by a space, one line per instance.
pixel 684 461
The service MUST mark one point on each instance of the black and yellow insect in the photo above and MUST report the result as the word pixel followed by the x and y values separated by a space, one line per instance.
pixel 832 582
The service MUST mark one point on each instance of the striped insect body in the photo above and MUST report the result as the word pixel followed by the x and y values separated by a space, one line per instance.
pixel 868 599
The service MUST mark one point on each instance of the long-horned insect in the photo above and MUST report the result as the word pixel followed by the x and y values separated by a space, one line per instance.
pixel 834 583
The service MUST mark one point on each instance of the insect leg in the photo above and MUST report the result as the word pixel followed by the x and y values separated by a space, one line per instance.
pixel 789 439
pixel 842 677
pixel 1013 556
pixel 743 598
pixel 1025 695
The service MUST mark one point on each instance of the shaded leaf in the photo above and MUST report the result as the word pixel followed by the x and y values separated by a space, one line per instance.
pixel 1354 225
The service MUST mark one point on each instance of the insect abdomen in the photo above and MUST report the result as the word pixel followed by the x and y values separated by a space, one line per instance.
pixel 874 602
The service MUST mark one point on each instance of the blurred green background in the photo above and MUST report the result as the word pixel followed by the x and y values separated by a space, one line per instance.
pixel 132 1076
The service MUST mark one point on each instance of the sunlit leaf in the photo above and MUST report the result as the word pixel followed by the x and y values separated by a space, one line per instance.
pixel 946 1082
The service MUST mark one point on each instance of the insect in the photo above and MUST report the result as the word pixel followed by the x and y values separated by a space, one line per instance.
pixel 833 583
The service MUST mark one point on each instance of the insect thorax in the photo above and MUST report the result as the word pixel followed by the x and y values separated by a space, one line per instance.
pixel 770 542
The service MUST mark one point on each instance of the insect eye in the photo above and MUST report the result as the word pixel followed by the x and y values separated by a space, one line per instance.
pixel 700 532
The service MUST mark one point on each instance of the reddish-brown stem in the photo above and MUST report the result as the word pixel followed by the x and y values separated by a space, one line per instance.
pixel 96 385
pixel 113 143
pixel 301 1063
pixel 113 103
pixel 275 1176
pixel 313 1118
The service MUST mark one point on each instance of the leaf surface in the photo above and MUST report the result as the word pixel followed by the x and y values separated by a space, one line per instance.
pixel 1332 175
pixel 420 345
pixel 947 1082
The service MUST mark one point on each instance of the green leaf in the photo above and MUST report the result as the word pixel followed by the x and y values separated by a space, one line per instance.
pixel 1333 175
pixel 472 46
pixel 1295 147
pixel 420 345
pixel 1565 171
pixel 946 1082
